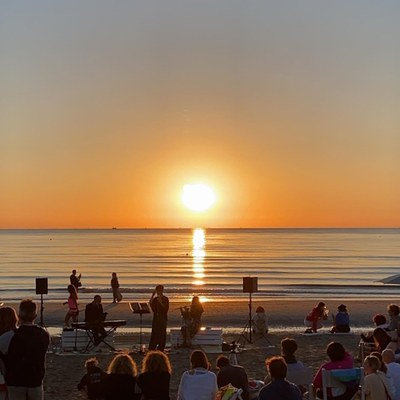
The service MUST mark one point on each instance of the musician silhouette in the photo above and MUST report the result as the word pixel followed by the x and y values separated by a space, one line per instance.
pixel 159 305
pixel 95 317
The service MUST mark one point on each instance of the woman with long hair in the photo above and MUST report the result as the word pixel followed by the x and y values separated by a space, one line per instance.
pixel 313 319
pixel 72 302
pixel 155 377
pixel 198 383
pixel 121 383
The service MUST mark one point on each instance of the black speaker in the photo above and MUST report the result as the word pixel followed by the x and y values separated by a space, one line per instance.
pixel 41 285
pixel 250 284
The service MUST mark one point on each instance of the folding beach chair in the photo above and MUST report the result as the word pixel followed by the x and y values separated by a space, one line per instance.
pixel 351 379
pixel 303 377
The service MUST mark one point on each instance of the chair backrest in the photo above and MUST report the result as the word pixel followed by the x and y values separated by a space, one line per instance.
pixel 302 377
pixel 339 378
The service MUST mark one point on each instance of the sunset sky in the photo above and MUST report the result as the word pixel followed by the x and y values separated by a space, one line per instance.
pixel 288 110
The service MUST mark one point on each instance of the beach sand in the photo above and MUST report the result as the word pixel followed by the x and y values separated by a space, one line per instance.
pixel 64 369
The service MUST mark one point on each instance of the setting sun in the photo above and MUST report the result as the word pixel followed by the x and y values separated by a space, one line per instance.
pixel 198 197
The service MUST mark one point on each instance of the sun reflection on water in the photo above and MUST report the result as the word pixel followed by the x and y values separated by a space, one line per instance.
pixel 199 254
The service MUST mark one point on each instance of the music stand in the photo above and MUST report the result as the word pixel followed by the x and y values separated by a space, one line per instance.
pixel 140 308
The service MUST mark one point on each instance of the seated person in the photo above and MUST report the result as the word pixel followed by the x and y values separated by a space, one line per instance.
pixel 93 379
pixel 260 321
pixel 191 317
pixel 196 311
pixel 288 348
pixel 232 374
pixel 383 340
pixel 376 385
pixel 394 317
pixel 341 321
pixel 279 387
pixel 339 359
pixel 379 321
pixel 94 316
pixel 314 318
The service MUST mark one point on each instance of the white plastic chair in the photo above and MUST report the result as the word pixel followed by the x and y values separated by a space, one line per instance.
pixel 302 377
pixel 336 378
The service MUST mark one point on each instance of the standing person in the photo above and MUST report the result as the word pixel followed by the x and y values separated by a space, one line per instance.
pixel 232 374
pixel 95 317
pixel 121 384
pixel 72 306
pixel 8 323
pixel 159 305
pixel 198 383
pixel 279 388
pixel 75 280
pixel 117 296
pixel 155 377
pixel 314 318
pixel 26 352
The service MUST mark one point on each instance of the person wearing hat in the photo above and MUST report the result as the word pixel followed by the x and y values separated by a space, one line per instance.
pixel 341 321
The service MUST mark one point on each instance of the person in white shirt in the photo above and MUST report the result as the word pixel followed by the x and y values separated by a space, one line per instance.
pixel 393 371
pixel 198 383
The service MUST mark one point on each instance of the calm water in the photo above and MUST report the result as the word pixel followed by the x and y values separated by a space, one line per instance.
pixel 297 263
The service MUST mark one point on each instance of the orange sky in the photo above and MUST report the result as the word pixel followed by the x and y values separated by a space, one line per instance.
pixel 289 113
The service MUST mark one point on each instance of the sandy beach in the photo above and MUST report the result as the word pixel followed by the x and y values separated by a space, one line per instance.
pixel 283 314
pixel 64 369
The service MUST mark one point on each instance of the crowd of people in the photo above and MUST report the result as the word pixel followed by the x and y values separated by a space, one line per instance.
pixel 23 347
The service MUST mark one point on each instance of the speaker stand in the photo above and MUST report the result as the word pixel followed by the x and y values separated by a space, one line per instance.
pixel 246 334
pixel 41 310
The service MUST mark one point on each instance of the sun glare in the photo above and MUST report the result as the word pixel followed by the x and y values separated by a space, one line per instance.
pixel 198 197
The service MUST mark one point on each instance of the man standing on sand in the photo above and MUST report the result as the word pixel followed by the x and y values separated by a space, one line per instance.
pixel 25 350
pixel 159 305
pixel 75 280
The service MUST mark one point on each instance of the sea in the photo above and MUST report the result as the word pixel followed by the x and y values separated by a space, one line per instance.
pixel 288 263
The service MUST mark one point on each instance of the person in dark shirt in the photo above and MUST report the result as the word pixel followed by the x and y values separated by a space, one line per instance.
pixel 75 280
pixel 121 384
pixel 159 305
pixel 232 374
pixel 155 377
pixel 93 380
pixel 25 355
pixel 279 388
pixel 117 296
pixel 94 316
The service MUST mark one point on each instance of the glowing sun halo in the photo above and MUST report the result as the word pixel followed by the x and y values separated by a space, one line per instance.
pixel 198 197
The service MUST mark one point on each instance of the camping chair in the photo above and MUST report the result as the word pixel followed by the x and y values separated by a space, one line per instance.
pixel 303 377
pixel 365 349
pixel 341 378
pixel 229 392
